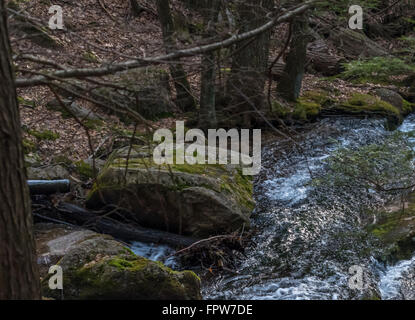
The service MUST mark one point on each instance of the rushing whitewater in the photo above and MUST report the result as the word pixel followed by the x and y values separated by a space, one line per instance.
pixel 307 236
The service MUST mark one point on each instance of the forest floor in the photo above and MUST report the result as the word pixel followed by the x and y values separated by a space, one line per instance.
pixel 102 30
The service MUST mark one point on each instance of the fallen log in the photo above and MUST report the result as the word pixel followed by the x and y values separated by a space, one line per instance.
pixel 73 214
pixel 40 187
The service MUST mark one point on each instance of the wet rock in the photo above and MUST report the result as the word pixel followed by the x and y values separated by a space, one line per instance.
pixel 198 200
pixel 395 229
pixel 96 266
pixel 408 283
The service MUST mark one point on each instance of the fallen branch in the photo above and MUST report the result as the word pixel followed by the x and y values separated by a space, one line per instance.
pixel 73 214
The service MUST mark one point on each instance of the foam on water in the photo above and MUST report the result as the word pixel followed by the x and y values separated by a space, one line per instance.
pixel 391 277
pixel 155 252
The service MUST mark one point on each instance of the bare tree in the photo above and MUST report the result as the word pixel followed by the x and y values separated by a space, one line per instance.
pixel 250 60
pixel 183 92
pixel 207 114
pixel 289 86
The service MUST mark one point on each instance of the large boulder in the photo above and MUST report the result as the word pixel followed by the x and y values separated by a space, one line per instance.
pixel 96 266
pixel 354 43
pixel 395 229
pixel 395 99
pixel 198 200
pixel 147 92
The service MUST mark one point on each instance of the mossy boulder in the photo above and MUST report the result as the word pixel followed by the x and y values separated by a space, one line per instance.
pixel 395 229
pixel 360 104
pixel 307 108
pixel 310 104
pixel 198 200
pixel 395 99
pixel 98 267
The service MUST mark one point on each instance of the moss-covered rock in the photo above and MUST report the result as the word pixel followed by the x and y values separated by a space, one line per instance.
pixel 395 228
pixel 310 104
pixel 98 267
pixel 307 107
pixel 198 200
pixel 365 104
pixel 395 99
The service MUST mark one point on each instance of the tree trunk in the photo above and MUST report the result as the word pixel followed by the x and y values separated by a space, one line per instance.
pixel 207 115
pixel 19 276
pixel 184 96
pixel 250 61
pixel 289 87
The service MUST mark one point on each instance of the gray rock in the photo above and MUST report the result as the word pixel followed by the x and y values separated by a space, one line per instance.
pixel 391 97
pixel 198 200
pixel 96 266
pixel 52 172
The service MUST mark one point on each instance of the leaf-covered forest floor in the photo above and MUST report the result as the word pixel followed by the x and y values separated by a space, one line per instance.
pixel 93 35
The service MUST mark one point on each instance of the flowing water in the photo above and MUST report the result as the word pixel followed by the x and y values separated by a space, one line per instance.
pixel 308 236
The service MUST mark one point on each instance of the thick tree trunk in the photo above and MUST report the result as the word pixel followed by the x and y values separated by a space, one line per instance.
pixel 289 87
pixel 250 61
pixel 19 276
pixel 183 92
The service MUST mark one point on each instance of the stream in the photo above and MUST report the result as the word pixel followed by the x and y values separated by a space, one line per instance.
pixel 308 237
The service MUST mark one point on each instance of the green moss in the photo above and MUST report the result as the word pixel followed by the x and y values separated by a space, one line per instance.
pixel 396 231
pixel 377 70
pixel 90 57
pixel 133 265
pixel 26 103
pixel 84 169
pixel 360 103
pixel 44 135
pixel 306 109
pixel 28 146
pixel 280 110
pixel 93 124
pixel 407 107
